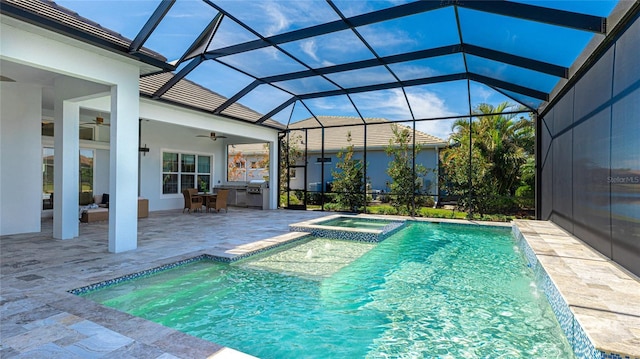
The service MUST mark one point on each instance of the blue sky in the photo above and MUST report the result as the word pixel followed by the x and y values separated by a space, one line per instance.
pixel 431 29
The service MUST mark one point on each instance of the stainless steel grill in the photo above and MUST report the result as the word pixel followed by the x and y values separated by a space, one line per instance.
pixel 258 194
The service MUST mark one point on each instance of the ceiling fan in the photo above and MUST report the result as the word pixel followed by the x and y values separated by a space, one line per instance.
pixel 212 136
pixel 98 121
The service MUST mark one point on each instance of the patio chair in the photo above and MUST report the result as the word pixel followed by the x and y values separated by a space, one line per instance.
pixel 191 200
pixel 220 202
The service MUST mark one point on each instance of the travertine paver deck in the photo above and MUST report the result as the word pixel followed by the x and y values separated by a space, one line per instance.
pixel 604 298
pixel 39 319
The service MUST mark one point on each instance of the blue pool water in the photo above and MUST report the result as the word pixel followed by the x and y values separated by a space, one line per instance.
pixel 430 290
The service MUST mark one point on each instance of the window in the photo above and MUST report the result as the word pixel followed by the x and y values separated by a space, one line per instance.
pixel 182 170
pixel 47 128
pixel 47 178
pixel 86 177
pixel 87 133
pixel 323 160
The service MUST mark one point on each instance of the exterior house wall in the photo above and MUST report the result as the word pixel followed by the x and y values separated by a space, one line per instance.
pixel 161 137
pixel 590 156
pixel 199 123
pixel 20 157
pixel 377 164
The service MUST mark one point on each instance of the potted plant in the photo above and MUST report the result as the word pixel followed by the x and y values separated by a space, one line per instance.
pixel 203 187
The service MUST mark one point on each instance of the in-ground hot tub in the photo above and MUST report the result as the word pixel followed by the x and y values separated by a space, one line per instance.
pixel 356 228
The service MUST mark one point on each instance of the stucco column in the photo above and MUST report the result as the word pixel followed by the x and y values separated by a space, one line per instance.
pixel 123 174
pixel 20 157
pixel 65 164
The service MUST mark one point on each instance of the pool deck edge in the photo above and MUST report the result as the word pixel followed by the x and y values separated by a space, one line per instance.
pixel 602 299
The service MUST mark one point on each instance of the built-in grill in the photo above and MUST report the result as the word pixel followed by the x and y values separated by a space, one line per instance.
pixel 258 194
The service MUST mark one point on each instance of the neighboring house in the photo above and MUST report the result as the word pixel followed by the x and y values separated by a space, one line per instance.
pixel 248 162
pixel 379 133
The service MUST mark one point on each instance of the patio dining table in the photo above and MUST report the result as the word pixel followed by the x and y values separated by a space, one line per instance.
pixel 206 197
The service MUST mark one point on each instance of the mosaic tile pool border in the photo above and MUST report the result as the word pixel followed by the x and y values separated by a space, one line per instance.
pixel 164 267
pixel 144 273
pixel 582 346
pixel 351 234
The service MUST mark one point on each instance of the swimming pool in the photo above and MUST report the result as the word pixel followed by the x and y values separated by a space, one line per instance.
pixel 430 290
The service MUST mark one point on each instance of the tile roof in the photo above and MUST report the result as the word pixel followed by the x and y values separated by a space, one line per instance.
pixel 379 132
pixel 54 12
pixel 192 95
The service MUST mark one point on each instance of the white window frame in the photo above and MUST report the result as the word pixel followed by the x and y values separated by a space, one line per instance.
pixel 179 173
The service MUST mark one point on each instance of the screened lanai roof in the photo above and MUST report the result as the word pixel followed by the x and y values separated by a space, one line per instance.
pixel 291 60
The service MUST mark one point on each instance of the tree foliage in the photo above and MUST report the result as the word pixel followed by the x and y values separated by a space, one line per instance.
pixel 348 179
pixel 500 145
pixel 289 156
pixel 237 167
pixel 406 181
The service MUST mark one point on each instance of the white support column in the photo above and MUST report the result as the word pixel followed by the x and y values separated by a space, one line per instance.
pixel 21 158
pixel 65 165
pixel 123 175
pixel 66 168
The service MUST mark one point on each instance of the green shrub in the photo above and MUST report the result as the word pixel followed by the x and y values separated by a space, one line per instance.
pixel 333 207
pixel 293 199
pixel 388 210
pixel 424 201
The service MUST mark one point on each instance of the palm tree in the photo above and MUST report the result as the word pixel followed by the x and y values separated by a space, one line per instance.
pixel 501 144
pixel 500 139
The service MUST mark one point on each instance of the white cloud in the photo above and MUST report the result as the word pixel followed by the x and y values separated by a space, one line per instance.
pixel 409 72
pixel 310 48
pixel 480 93
pixel 440 128
pixel 278 21
pixel 387 39
pixel 392 105
pixel 427 104
pixel 281 15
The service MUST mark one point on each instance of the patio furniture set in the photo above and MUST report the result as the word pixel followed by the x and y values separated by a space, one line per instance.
pixel 99 210
pixel 194 201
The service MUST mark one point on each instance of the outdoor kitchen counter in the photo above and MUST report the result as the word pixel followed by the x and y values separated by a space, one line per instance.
pixel 254 194
pixel 237 194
